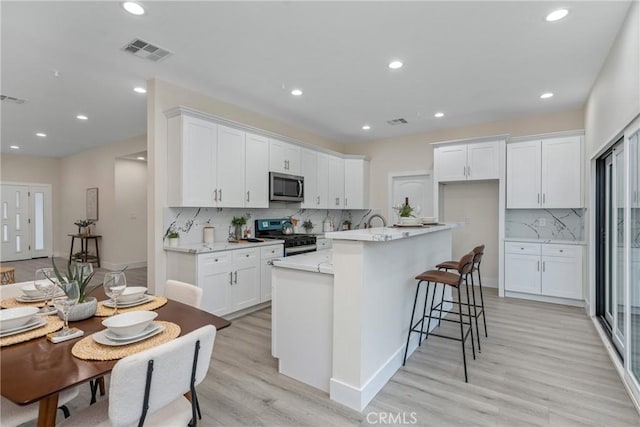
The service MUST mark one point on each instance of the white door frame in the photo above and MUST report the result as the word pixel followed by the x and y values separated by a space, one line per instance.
pixel 48 217
pixel 392 175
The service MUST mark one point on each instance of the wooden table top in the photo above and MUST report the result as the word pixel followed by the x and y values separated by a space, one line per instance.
pixel 36 369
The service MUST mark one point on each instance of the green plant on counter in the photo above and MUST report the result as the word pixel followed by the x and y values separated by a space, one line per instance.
pixel 238 220
pixel 173 235
pixel 307 225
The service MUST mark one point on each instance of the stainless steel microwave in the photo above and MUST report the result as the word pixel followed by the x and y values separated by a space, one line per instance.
pixel 286 188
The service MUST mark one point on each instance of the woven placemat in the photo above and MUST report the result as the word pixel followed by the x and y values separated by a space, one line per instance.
pixel 12 303
pixel 157 302
pixel 88 349
pixel 53 324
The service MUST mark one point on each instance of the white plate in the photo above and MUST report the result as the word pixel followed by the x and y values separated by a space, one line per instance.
pixel 102 337
pixel 149 329
pixel 33 324
pixel 109 303
pixel 24 298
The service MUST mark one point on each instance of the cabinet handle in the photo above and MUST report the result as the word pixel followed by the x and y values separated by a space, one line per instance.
pixel 230 278
pixel 318 203
pixel 215 260
pixel 337 201
pixel 543 266
pixel 468 171
pixel 248 197
pixel 543 198
pixel 464 170
pixel 538 198
pixel 236 278
pixel 247 255
pixel 561 250
pixel 345 202
pixel 215 195
pixel 220 195
pixel 538 265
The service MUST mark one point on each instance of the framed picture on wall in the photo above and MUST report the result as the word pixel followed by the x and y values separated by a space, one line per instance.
pixel 92 203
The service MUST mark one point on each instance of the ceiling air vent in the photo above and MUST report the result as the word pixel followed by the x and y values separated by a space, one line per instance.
pixel 12 99
pixel 399 121
pixel 146 50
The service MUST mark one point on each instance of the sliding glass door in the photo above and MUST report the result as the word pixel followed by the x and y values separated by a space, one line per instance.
pixel 634 240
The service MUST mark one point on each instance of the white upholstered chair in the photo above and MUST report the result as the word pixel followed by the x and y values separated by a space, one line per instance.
pixel 185 293
pixel 167 371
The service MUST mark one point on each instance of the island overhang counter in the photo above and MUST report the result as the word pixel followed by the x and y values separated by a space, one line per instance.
pixel 371 301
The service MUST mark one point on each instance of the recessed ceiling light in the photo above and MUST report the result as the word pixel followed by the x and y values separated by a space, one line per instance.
pixel 438 115
pixel 366 127
pixel 394 65
pixel 296 92
pixel 139 89
pixel 82 117
pixel 557 15
pixel 140 158
pixel 14 147
pixel 546 95
pixel 133 8
pixel 41 135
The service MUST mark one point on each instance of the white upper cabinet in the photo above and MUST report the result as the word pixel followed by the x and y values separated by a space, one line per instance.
pixel 230 167
pixel 191 168
pixel 322 183
pixel 256 172
pixel 356 184
pixel 309 170
pixel 336 182
pixel 467 161
pixel 284 157
pixel 545 173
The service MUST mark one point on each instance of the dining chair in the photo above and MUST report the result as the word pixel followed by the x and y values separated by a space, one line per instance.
pixel 185 293
pixel 14 415
pixel 150 386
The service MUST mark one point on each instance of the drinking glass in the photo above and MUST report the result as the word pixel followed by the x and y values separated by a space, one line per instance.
pixel 84 269
pixel 64 304
pixel 47 283
pixel 114 285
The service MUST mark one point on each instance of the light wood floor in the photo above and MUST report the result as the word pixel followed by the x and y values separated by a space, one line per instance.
pixel 542 365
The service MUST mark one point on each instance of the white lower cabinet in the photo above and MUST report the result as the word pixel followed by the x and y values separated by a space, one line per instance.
pixel 323 243
pixel 231 280
pixel 552 270
pixel 266 255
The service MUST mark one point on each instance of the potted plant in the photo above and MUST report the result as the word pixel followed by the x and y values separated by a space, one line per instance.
pixel 84 224
pixel 174 238
pixel 238 222
pixel 405 212
pixel 307 225
pixel 86 306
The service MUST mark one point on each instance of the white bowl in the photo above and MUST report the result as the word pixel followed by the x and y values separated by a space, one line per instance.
pixel 428 219
pixel 16 317
pixel 129 324
pixel 132 294
pixel 31 291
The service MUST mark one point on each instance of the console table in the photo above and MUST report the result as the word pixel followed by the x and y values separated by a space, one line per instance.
pixel 84 248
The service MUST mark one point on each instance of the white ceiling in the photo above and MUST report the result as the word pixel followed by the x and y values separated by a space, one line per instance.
pixel 475 61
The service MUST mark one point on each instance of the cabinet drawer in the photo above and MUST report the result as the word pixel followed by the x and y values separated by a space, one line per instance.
pixel 569 251
pixel 522 248
pixel 246 255
pixel 275 251
pixel 217 261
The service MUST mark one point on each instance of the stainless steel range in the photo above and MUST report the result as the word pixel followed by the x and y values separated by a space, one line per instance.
pixel 294 244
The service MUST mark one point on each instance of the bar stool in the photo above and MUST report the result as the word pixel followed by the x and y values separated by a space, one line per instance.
pixel 478 310
pixel 448 279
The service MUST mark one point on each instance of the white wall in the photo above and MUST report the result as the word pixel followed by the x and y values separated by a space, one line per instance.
pixel 131 212
pixel 614 100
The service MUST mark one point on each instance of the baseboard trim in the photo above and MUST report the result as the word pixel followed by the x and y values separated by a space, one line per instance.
pixel 544 298
pixel 247 310
pixel 121 266
pixel 358 398
pixel 617 364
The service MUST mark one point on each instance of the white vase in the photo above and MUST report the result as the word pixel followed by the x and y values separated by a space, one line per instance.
pixel 82 310
pixel 174 242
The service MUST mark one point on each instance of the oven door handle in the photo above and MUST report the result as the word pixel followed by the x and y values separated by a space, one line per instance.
pixel 300 249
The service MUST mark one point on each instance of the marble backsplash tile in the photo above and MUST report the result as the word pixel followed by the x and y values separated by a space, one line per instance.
pixel 189 222
pixel 556 224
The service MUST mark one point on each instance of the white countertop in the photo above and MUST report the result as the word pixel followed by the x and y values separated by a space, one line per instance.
pixel 318 262
pixel 383 234
pixel 202 248
pixel 551 241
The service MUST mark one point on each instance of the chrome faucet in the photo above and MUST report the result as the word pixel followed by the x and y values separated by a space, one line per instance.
pixel 384 221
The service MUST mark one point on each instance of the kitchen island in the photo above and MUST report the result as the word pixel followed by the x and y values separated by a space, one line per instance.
pixel 364 299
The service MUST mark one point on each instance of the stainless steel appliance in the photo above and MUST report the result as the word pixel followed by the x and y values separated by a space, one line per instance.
pixel 286 188
pixel 294 244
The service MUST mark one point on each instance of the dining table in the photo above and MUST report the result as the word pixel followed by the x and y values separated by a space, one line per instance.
pixel 38 370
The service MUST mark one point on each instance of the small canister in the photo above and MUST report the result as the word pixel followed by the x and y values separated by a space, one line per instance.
pixel 208 234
